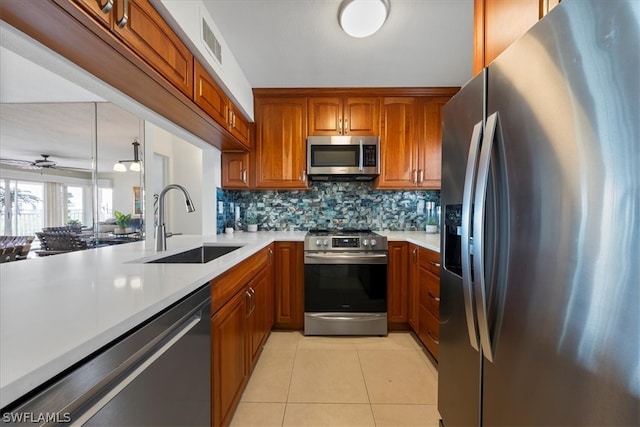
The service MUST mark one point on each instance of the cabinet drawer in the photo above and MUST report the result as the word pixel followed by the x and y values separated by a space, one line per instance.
pixel 429 292
pixel 429 260
pixel 225 286
pixel 429 331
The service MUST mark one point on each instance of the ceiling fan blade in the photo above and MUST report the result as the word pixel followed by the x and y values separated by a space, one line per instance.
pixel 19 163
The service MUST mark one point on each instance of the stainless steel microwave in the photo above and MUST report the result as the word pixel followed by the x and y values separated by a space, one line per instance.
pixel 343 158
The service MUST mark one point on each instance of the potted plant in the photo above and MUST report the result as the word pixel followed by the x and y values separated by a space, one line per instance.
pixel 252 223
pixel 122 221
pixel 432 225
pixel 229 227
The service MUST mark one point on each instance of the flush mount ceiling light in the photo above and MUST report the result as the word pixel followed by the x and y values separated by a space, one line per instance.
pixel 135 163
pixel 361 18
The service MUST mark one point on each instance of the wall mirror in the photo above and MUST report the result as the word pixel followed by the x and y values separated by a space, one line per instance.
pixel 61 133
pixel 59 144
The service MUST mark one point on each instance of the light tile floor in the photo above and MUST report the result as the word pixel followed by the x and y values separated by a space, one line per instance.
pixel 340 381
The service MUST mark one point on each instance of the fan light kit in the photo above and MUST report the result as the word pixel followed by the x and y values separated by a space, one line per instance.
pixel 362 18
pixel 135 163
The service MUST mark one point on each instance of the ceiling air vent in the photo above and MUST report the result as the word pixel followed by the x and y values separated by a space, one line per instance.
pixel 211 41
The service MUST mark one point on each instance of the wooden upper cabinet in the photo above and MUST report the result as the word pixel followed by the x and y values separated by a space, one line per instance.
pixel 101 10
pixel 235 170
pixel 281 132
pixel 344 116
pixel 211 98
pixel 411 142
pixel 498 23
pixel 146 32
pixel 237 125
pixel 430 143
pixel 398 146
pixel 139 26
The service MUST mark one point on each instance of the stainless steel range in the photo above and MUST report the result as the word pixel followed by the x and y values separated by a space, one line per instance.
pixel 345 287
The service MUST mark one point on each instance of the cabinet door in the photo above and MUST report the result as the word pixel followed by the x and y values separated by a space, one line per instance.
pixel 238 126
pixel 235 170
pixel 228 358
pixel 428 331
pixel 154 41
pixel 209 96
pixel 259 324
pixel 498 23
pixel 101 10
pixel 281 125
pixel 430 150
pixel 325 116
pixel 413 287
pixel 289 285
pixel 398 146
pixel 361 116
pixel 397 283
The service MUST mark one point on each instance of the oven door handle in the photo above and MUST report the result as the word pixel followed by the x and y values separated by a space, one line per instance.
pixel 330 258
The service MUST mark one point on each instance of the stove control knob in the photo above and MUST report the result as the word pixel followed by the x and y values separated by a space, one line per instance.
pixel 325 242
pixel 317 242
pixel 373 242
pixel 365 243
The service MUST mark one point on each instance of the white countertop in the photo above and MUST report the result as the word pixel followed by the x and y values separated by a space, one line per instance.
pixel 56 310
pixel 420 238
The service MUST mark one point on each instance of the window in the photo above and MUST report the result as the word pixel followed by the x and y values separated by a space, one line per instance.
pixel 21 207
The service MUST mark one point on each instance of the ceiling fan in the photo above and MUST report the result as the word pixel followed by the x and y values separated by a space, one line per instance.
pixel 38 164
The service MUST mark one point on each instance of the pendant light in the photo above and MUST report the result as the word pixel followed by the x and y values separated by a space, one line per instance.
pixel 135 163
pixel 362 18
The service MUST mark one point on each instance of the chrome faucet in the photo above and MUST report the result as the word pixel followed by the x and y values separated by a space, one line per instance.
pixel 161 235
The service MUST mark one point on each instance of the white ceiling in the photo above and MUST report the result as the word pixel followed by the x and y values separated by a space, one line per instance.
pixel 44 113
pixel 299 43
pixel 277 43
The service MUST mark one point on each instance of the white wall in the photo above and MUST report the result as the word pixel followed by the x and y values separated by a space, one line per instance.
pixel 122 184
pixel 186 17
pixel 195 167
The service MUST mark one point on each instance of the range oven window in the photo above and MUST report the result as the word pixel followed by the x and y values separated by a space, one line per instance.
pixel 346 288
pixel 335 155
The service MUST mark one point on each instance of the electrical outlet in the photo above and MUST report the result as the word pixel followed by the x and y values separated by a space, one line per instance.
pixel 420 209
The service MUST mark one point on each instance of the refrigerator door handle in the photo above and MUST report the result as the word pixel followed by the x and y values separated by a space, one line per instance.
pixel 479 237
pixel 470 174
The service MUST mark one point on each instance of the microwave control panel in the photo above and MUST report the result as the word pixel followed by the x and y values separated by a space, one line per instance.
pixel 369 156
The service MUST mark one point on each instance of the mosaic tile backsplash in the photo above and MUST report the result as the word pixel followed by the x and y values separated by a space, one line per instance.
pixel 328 205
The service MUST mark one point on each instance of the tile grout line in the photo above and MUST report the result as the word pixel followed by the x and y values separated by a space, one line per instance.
pixel 286 403
pixel 364 380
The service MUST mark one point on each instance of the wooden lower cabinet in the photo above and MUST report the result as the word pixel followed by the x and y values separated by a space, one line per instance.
pixel 397 290
pixel 289 285
pixel 412 298
pixel 260 309
pixel 428 299
pixel 239 328
pixel 229 358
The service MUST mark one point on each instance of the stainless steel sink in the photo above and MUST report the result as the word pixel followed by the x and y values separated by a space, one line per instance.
pixel 200 255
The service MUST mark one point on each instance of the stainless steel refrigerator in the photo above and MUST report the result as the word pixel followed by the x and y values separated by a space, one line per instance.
pixel 540 285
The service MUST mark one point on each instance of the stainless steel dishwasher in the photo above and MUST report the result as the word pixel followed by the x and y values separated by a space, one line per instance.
pixel 157 375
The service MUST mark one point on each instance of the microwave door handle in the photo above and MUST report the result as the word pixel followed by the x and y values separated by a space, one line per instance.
pixel 361 167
